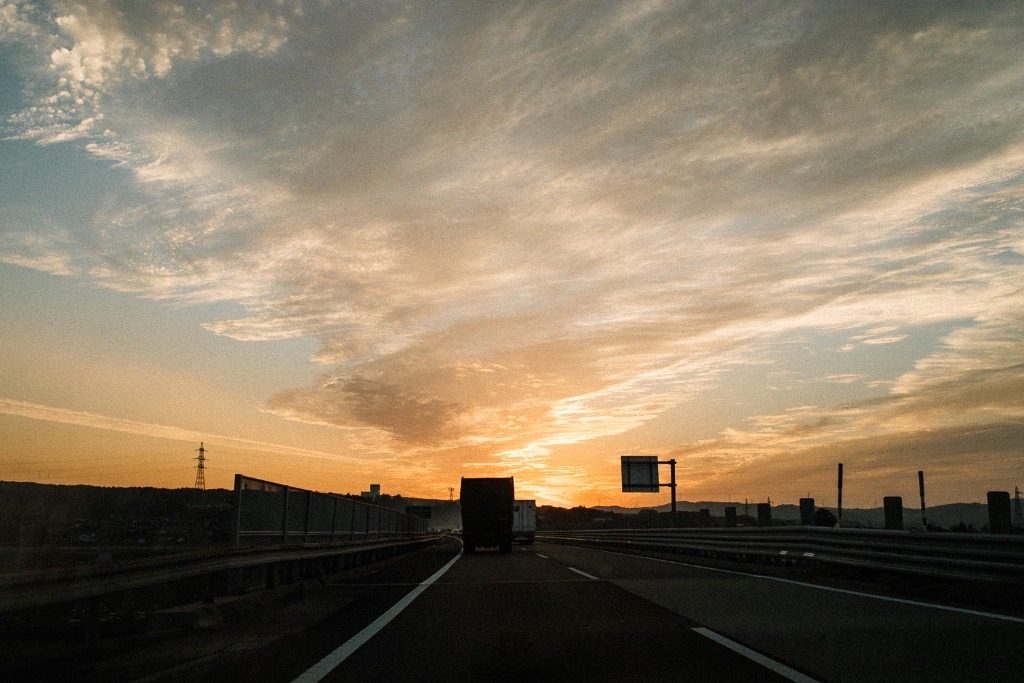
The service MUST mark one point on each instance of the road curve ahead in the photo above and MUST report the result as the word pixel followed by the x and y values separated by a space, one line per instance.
pixel 526 616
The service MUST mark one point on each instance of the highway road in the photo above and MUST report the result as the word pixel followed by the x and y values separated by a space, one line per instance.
pixel 830 634
pixel 557 612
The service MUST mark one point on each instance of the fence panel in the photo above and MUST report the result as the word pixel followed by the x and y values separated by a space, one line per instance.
pixel 260 505
pixel 273 512
pixel 298 502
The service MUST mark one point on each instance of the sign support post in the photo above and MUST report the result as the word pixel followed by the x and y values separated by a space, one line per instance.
pixel 672 465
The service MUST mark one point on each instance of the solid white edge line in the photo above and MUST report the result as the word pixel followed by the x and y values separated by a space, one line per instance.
pixel 582 573
pixel 844 591
pixel 328 663
pixel 757 657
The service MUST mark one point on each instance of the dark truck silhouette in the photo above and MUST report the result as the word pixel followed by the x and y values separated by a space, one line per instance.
pixel 487 512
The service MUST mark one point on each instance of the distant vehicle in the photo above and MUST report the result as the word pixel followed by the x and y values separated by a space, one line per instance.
pixel 487 512
pixel 524 521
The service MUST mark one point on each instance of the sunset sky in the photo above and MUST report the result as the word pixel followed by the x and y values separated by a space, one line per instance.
pixel 403 243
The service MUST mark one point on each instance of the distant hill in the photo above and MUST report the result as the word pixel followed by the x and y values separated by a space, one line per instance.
pixel 973 515
pixel 49 514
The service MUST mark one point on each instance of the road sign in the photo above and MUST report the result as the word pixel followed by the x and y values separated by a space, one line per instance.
pixel 640 474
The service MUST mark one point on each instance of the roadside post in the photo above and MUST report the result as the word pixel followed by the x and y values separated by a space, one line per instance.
pixel 920 485
pixel 839 507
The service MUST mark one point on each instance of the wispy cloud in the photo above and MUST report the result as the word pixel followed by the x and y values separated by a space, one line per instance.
pixel 35 411
pixel 847 378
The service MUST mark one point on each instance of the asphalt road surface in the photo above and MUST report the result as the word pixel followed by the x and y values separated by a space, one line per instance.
pixel 525 616
pixel 551 612
pixel 830 634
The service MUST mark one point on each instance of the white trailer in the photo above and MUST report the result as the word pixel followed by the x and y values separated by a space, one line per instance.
pixel 524 521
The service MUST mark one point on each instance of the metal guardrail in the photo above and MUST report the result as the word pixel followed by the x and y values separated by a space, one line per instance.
pixel 304 533
pixel 973 557
pixel 230 571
